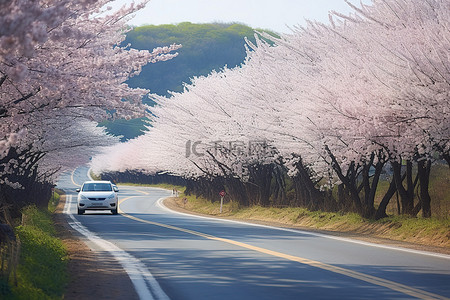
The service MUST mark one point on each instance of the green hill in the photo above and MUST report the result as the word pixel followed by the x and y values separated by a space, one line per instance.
pixel 206 47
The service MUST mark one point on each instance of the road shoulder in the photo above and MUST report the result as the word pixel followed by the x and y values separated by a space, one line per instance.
pixel 92 274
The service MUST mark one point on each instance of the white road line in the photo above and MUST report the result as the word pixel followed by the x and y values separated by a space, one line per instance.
pixel 145 284
pixel 439 255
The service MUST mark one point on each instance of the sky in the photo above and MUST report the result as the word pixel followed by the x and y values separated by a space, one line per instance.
pixel 276 15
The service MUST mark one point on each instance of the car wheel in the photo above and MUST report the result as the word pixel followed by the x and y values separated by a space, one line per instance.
pixel 80 211
pixel 114 211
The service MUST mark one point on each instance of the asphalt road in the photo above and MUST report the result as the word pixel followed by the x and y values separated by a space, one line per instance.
pixel 169 255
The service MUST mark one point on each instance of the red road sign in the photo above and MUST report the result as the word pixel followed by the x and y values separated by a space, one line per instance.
pixel 222 193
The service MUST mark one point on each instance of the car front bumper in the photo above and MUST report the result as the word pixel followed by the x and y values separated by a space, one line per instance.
pixel 97 205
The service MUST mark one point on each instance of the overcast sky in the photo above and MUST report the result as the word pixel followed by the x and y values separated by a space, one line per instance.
pixel 275 15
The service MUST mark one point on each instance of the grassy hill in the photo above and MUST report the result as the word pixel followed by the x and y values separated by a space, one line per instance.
pixel 206 47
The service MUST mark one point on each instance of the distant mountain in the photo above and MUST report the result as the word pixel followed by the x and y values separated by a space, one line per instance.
pixel 206 47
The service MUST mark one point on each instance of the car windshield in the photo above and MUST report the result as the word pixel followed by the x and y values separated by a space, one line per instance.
pixel 97 187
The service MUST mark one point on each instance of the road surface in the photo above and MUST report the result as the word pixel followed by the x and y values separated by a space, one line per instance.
pixel 169 255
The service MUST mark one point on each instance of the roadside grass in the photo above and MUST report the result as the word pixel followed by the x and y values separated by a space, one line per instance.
pixel 54 200
pixel 432 231
pixel 95 176
pixel 42 270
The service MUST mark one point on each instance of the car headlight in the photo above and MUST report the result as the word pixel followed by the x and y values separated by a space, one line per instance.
pixel 83 197
pixel 112 196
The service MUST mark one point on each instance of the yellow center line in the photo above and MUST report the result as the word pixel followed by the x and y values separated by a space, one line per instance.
pixel 140 191
pixel 73 181
pixel 420 294
pixel 145 193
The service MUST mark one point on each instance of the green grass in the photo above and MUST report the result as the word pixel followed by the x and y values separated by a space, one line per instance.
pixel 204 206
pixel 54 200
pixel 42 269
pixel 407 228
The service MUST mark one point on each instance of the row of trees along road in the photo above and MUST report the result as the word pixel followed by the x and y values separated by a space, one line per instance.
pixel 61 71
pixel 327 109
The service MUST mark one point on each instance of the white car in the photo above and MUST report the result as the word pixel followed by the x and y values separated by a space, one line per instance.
pixel 98 195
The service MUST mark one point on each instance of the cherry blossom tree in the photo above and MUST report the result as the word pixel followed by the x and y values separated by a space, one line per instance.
pixel 408 67
pixel 62 66
pixel 373 91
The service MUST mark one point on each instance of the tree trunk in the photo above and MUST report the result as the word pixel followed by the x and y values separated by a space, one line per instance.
pixel 344 200
pixel 279 191
pixel 446 156
pixel 381 211
pixel 349 181
pixel 235 188
pixel 406 194
pixel 310 196
pixel 370 189
pixel 424 167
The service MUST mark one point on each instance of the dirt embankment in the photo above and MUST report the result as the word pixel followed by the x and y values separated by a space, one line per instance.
pixel 369 233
